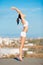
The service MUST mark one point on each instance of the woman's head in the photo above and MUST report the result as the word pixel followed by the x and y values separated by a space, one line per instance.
pixel 18 19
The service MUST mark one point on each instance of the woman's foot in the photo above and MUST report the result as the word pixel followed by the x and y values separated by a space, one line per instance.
pixel 18 58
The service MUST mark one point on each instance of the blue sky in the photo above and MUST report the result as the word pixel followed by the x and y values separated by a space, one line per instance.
pixel 33 9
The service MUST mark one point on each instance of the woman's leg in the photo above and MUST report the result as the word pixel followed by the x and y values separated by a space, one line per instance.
pixel 23 38
pixel 21 47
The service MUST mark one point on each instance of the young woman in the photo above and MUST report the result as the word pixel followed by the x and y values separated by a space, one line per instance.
pixel 21 17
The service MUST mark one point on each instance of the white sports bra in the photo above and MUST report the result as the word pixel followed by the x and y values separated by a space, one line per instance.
pixel 26 23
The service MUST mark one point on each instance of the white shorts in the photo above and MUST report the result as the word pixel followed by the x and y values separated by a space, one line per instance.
pixel 23 34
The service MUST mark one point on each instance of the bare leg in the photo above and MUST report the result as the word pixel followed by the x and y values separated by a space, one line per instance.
pixel 22 43
pixel 21 47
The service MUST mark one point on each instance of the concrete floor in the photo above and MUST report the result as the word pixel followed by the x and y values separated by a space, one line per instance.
pixel 26 61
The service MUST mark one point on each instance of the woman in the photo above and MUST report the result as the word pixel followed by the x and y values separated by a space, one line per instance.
pixel 21 17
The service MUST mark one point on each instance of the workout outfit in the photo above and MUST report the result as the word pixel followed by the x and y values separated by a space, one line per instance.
pixel 23 34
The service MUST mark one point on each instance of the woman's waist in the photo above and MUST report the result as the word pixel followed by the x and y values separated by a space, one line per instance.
pixel 25 24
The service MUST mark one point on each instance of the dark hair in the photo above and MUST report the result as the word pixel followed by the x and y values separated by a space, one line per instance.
pixel 19 17
pixel 17 21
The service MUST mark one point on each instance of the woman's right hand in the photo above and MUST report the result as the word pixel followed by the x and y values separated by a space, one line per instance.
pixel 13 8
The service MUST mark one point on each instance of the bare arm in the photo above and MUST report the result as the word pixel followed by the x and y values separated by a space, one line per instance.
pixel 14 8
pixel 18 11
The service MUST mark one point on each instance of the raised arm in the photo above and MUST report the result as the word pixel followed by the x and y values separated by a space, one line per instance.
pixel 18 11
pixel 14 8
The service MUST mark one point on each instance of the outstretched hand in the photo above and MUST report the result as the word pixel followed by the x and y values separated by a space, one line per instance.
pixel 13 8
pixel 18 11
